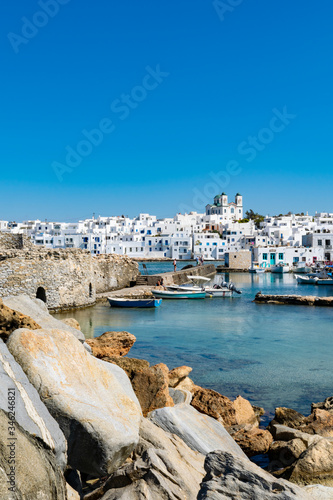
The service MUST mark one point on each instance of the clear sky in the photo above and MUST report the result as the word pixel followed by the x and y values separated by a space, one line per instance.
pixel 156 106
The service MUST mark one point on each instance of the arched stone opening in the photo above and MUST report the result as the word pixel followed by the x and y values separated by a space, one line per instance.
pixel 41 294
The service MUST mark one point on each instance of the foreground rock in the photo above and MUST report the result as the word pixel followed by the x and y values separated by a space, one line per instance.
pixel 200 432
pixel 252 440
pixel 19 396
pixel 177 375
pixel 150 383
pixel 92 401
pixel 164 467
pixel 232 477
pixel 111 344
pixel 37 310
pixel 314 466
pixel 35 473
pixel 11 320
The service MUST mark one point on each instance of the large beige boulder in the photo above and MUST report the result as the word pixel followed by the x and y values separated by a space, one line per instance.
pixel 93 401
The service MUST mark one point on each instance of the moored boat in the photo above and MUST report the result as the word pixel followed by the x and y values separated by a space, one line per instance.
pixel 306 280
pixel 144 303
pixel 280 268
pixel 179 294
pixel 256 270
pixel 301 269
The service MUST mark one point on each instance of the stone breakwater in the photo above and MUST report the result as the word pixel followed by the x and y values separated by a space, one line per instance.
pixel 98 425
pixel 62 278
pixel 301 300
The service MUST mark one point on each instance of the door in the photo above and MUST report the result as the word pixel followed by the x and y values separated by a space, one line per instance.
pixel 272 259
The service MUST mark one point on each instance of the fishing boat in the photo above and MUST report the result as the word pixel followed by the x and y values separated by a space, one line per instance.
pixel 179 294
pixel 218 292
pixel 306 280
pixel 197 284
pixel 115 302
pixel 256 269
pixel 222 290
pixel 301 269
pixel 280 268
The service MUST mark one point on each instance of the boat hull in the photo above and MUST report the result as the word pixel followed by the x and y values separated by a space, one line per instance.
pixel 324 282
pixel 219 293
pixel 280 269
pixel 166 294
pixel 142 303
pixel 305 280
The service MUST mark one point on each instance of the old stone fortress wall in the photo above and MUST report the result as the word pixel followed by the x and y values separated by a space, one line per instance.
pixel 61 278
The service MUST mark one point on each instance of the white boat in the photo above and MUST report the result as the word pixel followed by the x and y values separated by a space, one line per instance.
pixel 302 269
pixel 280 268
pixel 218 292
pixel 306 280
pixel 179 294
pixel 256 270
pixel 197 285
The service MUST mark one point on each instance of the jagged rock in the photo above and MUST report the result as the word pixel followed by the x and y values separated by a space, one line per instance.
pixel 231 477
pixel 200 432
pixel 37 310
pixel 11 320
pixel 244 412
pixel 319 422
pixel 314 466
pixel 284 433
pixel 214 404
pixel 252 440
pixel 185 384
pixel 111 344
pixel 164 467
pixel 36 475
pixel 150 383
pixel 29 411
pixel 325 405
pixel 92 401
pixel 288 417
pixel 72 322
pixel 178 374
pixel 284 453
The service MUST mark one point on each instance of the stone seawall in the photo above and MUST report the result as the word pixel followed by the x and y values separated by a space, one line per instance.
pixel 62 278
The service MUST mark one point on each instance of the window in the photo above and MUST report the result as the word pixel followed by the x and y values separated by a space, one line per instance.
pixel 320 242
pixel 264 256
pixel 280 256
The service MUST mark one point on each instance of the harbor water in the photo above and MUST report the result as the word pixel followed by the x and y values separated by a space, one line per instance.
pixel 273 355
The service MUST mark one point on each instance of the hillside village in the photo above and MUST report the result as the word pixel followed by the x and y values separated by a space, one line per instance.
pixel 223 228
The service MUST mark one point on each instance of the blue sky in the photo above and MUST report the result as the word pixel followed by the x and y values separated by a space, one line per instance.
pixel 179 99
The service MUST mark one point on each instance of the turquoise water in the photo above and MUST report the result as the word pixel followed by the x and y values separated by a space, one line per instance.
pixel 273 355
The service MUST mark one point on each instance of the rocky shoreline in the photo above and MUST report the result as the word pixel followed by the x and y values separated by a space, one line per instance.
pixel 98 424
